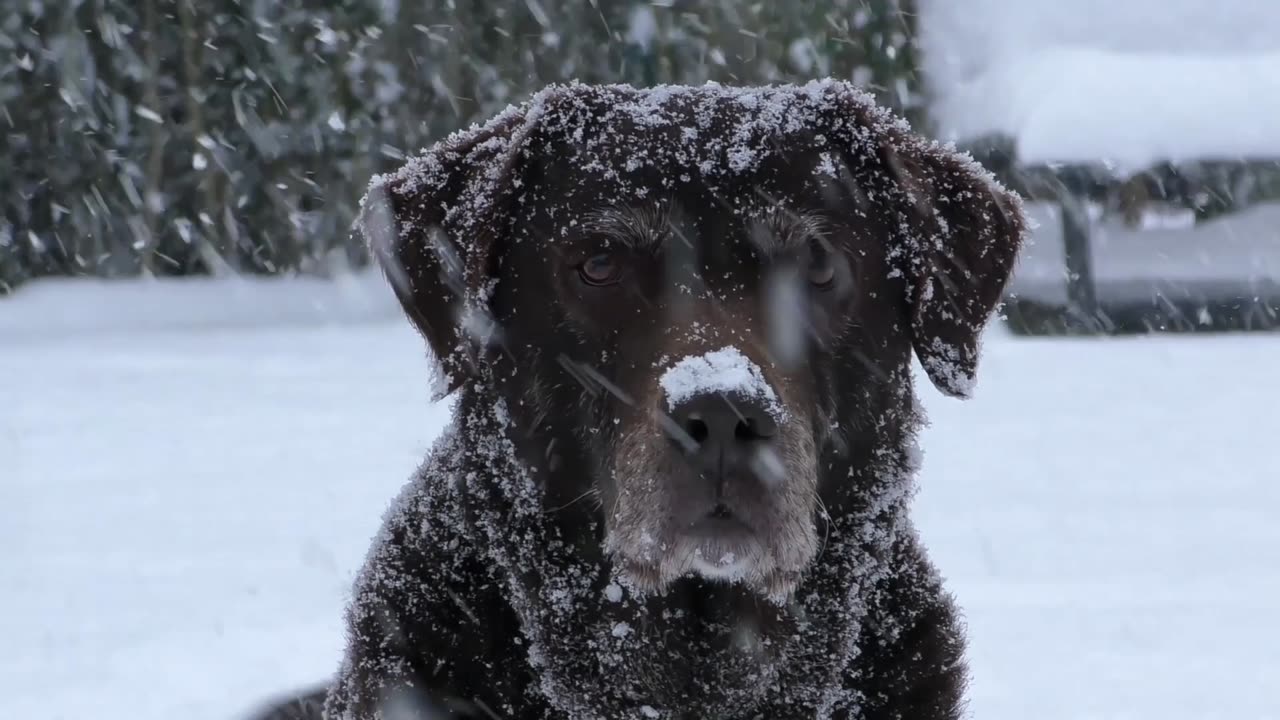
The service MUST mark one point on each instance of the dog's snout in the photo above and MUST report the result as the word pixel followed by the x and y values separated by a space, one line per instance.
pixel 718 425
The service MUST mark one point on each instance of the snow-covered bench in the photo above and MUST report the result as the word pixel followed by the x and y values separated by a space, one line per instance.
pixel 1145 134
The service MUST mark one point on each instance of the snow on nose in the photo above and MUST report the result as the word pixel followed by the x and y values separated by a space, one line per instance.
pixel 726 371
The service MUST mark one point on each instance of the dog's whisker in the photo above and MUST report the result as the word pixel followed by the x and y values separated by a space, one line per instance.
pixel 825 514
pixel 590 492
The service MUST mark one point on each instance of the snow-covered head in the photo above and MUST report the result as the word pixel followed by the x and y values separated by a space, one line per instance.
pixel 699 304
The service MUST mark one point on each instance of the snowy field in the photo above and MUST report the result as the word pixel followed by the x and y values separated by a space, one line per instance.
pixel 183 508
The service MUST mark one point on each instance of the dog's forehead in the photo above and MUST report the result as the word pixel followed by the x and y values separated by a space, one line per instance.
pixel 735 150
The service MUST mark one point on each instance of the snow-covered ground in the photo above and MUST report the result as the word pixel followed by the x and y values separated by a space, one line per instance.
pixel 182 509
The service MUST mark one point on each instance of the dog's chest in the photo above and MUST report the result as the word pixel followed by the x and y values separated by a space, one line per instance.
pixel 706 662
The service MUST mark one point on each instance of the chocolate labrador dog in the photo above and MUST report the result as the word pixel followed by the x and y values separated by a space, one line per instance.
pixel 679 323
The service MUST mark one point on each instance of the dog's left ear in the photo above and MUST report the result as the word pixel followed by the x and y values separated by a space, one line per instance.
pixel 960 232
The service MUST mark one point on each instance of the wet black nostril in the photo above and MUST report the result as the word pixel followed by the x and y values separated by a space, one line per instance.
pixel 710 424
pixel 697 429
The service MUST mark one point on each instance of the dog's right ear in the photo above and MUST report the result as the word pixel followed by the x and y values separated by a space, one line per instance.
pixel 435 227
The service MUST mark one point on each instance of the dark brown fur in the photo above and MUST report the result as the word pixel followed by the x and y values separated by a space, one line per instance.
pixel 509 580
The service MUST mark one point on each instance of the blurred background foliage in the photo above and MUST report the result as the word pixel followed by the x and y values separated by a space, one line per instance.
pixel 175 137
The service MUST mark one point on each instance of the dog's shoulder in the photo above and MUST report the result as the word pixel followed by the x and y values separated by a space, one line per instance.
pixel 426 612
pixel 912 664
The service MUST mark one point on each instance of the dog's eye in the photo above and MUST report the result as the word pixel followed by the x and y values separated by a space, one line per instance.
pixel 602 269
pixel 822 268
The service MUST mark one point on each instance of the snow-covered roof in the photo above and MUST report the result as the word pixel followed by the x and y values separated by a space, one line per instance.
pixel 1134 82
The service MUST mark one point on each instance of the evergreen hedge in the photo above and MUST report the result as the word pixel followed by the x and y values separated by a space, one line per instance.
pixel 176 137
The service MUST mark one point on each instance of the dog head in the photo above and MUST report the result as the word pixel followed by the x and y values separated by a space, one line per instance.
pixel 700 300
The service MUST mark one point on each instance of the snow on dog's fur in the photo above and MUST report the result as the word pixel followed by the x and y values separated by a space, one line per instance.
pixel 667 493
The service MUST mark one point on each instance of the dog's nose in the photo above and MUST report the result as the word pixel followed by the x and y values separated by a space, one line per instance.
pixel 717 425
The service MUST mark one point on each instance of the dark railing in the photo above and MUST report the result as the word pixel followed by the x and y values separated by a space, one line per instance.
pixel 1210 188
